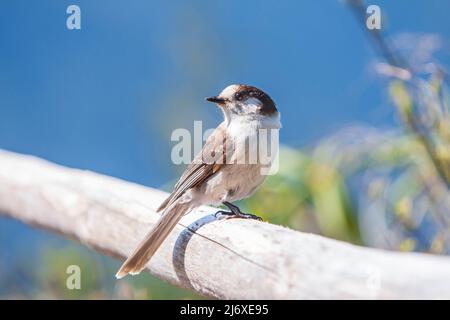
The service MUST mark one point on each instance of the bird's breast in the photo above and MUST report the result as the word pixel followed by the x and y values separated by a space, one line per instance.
pixel 231 183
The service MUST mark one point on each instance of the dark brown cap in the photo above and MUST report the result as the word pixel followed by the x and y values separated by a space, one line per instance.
pixel 245 91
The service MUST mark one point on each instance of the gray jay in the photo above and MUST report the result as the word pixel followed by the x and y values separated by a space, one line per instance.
pixel 221 173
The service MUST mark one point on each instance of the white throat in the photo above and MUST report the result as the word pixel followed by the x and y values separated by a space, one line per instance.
pixel 241 126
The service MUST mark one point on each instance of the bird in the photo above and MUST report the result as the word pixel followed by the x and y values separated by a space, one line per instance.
pixel 221 172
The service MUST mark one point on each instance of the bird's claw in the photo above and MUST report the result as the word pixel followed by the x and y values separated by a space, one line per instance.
pixel 221 215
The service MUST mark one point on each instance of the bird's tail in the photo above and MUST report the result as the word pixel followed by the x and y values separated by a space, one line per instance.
pixel 153 240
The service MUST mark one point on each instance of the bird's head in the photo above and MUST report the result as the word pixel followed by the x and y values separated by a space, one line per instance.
pixel 243 100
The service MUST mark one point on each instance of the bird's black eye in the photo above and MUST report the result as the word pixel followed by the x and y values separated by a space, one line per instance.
pixel 239 96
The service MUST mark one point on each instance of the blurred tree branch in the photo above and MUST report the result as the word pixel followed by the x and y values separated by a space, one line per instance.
pixel 407 105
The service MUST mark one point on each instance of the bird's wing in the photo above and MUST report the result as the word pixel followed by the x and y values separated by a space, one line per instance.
pixel 210 159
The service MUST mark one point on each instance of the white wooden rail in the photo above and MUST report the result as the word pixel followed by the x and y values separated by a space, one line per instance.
pixel 232 259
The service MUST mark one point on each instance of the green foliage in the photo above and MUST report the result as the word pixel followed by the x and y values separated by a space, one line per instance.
pixel 311 196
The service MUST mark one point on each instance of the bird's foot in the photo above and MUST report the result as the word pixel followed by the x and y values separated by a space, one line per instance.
pixel 238 213
pixel 221 215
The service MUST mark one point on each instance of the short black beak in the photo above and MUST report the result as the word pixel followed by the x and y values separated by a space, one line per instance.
pixel 216 100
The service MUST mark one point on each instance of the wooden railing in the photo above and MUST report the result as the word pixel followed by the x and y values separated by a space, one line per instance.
pixel 232 259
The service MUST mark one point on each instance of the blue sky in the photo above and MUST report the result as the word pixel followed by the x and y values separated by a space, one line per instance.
pixel 107 97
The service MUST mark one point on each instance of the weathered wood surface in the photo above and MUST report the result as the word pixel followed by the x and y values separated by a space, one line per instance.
pixel 233 259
